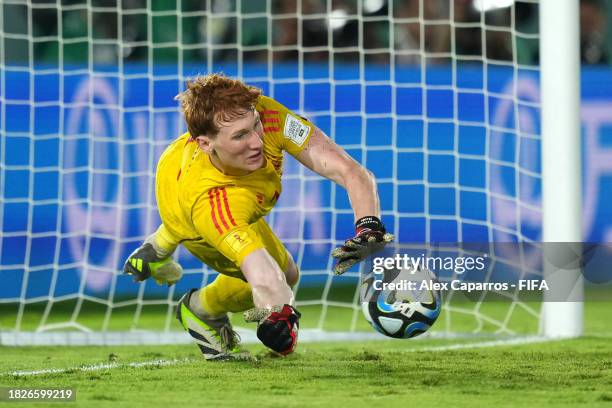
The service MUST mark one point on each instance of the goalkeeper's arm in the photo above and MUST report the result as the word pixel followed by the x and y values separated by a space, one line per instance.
pixel 326 158
pixel 329 160
pixel 274 312
pixel 268 282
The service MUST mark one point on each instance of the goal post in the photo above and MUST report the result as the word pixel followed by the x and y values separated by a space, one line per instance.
pixel 561 158
pixel 445 102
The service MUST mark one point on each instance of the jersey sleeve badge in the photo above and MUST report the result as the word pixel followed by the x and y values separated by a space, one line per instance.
pixel 295 130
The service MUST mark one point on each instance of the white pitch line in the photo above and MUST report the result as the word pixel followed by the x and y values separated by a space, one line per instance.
pixel 482 344
pixel 96 367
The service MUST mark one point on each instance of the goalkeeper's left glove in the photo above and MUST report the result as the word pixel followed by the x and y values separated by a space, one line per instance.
pixel 370 237
pixel 149 260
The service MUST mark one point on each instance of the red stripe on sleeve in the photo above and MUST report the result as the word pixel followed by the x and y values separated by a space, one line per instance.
pixel 270 112
pixel 227 209
pixel 266 120
pixel 271 129
pixel 219 210
pixel 212 212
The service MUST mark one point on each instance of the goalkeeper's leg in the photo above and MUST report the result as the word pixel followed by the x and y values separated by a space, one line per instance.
pixel 203 314
pixel 154 258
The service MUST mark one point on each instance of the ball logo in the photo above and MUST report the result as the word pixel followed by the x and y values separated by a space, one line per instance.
pixel 406 309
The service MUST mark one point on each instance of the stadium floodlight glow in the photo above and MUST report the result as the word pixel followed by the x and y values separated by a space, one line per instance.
pixel 372 6
pixel 489 5
pixel 337 19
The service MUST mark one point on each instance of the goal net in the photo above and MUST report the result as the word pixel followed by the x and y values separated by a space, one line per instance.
pixel 439 99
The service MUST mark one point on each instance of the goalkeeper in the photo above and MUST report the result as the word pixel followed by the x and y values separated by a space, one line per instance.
pixel 215 184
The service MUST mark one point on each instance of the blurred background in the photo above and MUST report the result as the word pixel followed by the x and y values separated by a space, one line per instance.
pixel 160 30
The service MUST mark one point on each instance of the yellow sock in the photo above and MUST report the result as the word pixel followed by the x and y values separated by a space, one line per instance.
pixel 226 294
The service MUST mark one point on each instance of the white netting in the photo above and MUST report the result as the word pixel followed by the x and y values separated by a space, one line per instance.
pixel 440 99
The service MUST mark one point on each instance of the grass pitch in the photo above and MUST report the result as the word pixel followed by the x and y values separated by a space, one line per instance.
pixel 387 373
pixel 428 372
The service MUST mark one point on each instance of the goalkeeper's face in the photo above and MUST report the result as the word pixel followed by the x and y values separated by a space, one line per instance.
pixel 238 147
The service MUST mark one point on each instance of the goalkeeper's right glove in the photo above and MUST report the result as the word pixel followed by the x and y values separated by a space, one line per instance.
pixel 277 328
pixel 370 237
pixel 146 261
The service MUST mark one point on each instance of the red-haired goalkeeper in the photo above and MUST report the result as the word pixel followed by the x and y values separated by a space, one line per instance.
pixel 214 186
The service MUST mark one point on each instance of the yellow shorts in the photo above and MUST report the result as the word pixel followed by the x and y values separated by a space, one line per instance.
pixel 219 262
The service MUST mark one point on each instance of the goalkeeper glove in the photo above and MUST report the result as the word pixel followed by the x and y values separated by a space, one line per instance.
pixel 277 328
pixel 370 237
pixel 147 261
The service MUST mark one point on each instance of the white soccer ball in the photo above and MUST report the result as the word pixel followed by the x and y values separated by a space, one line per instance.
pixel 397 311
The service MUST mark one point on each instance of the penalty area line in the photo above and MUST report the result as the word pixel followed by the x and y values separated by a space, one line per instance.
pixel 98 367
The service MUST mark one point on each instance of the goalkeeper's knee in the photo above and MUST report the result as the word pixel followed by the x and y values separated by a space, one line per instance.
pixel 277 328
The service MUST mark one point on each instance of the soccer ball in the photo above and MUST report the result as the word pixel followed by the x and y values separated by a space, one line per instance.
pixel 397 311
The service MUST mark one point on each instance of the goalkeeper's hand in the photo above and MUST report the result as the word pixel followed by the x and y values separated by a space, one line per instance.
pixel 277 328
pixel 370 237
pixel 145 262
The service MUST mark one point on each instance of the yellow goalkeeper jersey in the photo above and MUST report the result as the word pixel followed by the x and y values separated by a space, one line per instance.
pixel 220 213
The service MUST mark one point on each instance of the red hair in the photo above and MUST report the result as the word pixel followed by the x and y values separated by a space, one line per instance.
pixel 214 98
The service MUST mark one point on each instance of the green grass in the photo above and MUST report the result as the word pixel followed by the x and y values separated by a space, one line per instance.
pixel 566 373
pixel 393 372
